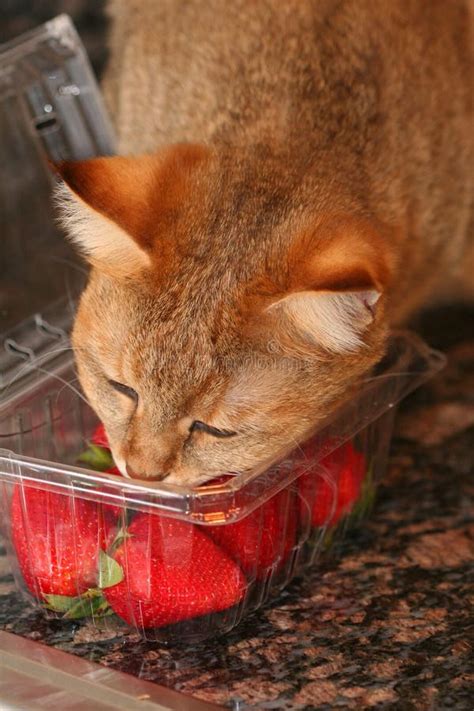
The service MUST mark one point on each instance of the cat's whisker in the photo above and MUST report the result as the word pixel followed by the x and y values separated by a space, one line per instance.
pixel 28 364
pixel 266 418
pixel 35 366
pixel 70 263
pixel 70 300
pixel 68 384
pixel 386 376
pixel 65 383
pixel 293 441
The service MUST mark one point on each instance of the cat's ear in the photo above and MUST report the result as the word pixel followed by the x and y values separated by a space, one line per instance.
pixel 111 207
pixel 101 203
pixel 335 285
pixel 334 320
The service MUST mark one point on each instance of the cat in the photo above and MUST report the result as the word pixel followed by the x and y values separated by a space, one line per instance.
pixel 294 178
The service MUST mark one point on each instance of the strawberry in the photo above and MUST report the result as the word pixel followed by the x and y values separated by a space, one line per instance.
pixel 99 437
pixel 262 539
pixel 172 572
pixel 95 457
pixel 332 498
pixel 116 508
pixel 114 470
pixel 98 456
pixel 57 539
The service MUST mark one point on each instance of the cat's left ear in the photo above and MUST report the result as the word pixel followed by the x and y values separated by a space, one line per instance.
pixel 334 320
pixel 336 279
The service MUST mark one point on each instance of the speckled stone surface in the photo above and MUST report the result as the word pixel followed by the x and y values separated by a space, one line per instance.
pixel 388 626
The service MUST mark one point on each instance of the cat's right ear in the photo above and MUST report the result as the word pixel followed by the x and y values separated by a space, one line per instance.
pixel 100 202
pixel 111 207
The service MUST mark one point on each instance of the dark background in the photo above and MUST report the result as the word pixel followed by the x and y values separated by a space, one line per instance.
pixel 25 289
pixel 18 16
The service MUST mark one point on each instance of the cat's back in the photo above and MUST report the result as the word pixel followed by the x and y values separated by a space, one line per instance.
pixel 201 69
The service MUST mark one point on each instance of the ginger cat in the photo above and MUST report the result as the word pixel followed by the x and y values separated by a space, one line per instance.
pixel 295 176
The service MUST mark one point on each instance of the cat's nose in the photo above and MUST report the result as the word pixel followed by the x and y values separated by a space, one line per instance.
pixel 135 475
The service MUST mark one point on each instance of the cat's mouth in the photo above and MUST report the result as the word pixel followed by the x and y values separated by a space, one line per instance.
pixel 131 474
pixel 127 471
pixel 174 478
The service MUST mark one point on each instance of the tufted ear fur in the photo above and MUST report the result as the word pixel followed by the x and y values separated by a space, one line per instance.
pixel 337 274
pixel 334 320
pixel 112 207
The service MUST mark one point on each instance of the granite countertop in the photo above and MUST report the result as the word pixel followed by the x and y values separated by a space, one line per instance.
pixel 388 625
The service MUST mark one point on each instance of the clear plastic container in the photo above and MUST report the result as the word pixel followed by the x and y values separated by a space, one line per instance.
pixel 177 564
pixel 181 564
pixel 50 110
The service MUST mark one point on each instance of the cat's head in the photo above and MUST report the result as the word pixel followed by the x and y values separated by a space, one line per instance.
pixel 230 307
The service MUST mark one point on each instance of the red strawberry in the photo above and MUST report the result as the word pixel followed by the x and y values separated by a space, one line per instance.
pixel 98 457
pixel 57 539
pixel 118 508
pixel 99 437
pixel 114 470
pixel 332 498
pixel 262 539
pixel 172 572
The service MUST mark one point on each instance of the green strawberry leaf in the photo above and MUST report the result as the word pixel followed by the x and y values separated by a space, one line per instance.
pixel 88 607
pixel 110 572
pixel 91 603
pixel 97 458
pixel 366 499
pixel 60 603
pixel 121 536
pixel 328 540
pixel 104 609
pixel 106 613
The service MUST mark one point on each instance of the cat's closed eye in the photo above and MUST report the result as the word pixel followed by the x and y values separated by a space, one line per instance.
pixel 198 426
pixel 124 390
